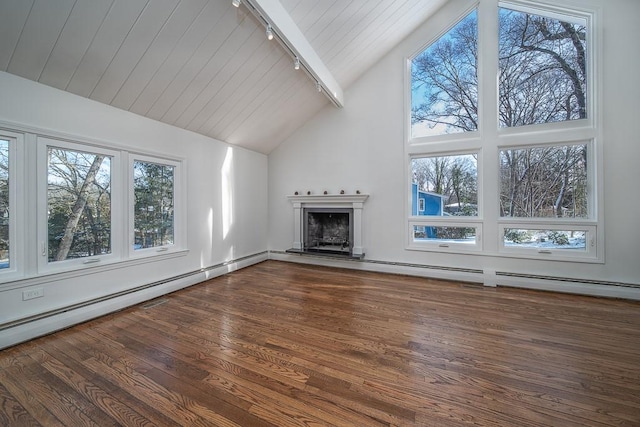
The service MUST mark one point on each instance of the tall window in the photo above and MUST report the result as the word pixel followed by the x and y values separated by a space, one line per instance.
pixel 546 191
pixel 5 211
pixel 12 205
pixel 445 188
pixel 543 69
pixel 452 179
pixel 538 131
pixel 78 204
pixel 153 191
pixel 548 183
pixel 444 83
pixel 544 182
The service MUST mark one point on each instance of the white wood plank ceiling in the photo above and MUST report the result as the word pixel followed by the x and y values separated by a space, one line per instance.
pixel 202 65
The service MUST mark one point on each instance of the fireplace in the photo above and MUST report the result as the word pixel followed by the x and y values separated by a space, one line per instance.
pixel 328 224
pixel 328 230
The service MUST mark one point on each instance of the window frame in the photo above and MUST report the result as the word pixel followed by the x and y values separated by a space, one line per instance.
pixel 593 223
pixel 179 199
pixel 469 152
pixel 490 138
pixel 44 265
pixel 17 228
pixel 446 221
pixel 471 134
pixel 574 15
pixel 557 254
pixel 445 245
pixel 29 200
pixel 591 199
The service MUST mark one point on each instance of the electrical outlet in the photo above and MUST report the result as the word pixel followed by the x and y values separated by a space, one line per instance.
pixel 32 293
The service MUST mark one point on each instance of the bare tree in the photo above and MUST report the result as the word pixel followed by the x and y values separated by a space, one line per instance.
pixel 79 204
pixel 544 182
pixel 4 200
pixel 542 65
pixel 446 76
pixel 542 69
pixel 77 209
pixel 454 177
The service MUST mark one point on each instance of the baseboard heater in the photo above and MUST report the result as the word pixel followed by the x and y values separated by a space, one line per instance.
pixel 390 263
pixel 474 271
pixel 567 279
pixel 87 303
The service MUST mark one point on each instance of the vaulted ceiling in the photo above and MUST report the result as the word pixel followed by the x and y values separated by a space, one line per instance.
pixel 202 65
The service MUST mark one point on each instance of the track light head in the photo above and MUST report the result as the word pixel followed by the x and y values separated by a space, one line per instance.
pixel 269 32
pixel 296 64
pixel 236 3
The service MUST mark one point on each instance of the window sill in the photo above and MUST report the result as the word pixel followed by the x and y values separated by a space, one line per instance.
pixel 554 256
pixel 84 269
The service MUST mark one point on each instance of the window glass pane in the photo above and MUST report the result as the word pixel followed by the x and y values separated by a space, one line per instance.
pixel 79 204
pixel 544 182
pixel 445 185
pixel 153 187
pixel 543 65
pixel 444 83
pixel 444 234
pixel 4 204
pixel 545 239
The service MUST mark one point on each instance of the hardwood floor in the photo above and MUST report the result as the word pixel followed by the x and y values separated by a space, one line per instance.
pixel 280 344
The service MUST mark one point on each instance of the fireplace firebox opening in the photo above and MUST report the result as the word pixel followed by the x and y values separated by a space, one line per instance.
pixel 328 230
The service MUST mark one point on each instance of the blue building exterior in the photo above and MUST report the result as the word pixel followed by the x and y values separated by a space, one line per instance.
pixel 426 203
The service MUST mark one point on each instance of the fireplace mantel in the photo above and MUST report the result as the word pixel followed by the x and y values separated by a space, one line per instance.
pixel 329 199
pixel 352 201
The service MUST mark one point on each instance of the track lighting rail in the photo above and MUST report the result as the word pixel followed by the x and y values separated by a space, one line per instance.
pixel 279 26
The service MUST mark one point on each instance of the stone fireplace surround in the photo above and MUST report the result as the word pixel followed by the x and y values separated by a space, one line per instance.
pixel 328 202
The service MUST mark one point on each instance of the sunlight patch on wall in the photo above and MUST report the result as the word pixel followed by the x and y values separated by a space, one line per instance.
pixel 205 258
pixel 227 193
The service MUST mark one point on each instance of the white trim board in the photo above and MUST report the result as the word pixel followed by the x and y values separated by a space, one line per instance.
pixel 63 318
pixel 487 277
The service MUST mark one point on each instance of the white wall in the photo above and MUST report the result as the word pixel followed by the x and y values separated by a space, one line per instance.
pixel 361 147
pixel 30 105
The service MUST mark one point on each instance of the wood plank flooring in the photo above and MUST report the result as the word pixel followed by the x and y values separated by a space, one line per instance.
pixel 280 344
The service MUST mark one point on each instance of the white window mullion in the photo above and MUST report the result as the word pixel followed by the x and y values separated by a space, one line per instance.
pixel 29 195
pixel 488 173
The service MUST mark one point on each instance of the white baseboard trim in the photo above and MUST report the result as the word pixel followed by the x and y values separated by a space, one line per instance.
pixel 487 277
pixel 36 326
pixel 436 272
pixel 570 286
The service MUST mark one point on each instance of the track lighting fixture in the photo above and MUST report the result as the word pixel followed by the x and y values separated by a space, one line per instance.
pixel 295 47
